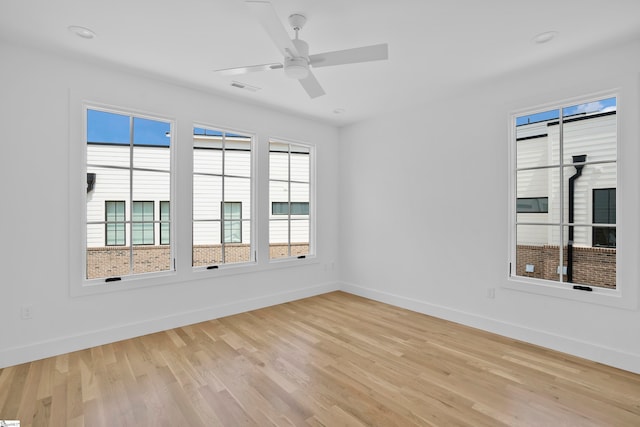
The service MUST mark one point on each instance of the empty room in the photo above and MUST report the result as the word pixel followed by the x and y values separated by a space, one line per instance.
pixel 320 213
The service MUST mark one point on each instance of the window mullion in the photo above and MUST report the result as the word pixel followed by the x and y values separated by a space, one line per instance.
pixel 130 224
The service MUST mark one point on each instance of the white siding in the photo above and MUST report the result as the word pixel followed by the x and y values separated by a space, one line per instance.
pixel 595 137
pixel 211 162
pixel 111 165
pixel 282 167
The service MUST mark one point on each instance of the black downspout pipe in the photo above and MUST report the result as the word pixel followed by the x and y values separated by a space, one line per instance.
pixel 572 183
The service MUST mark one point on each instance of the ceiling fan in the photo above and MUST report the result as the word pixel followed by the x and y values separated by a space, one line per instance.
pixel 297 60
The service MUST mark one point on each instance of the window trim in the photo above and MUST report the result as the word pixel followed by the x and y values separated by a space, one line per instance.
pixel 182 272
pixel 253 219
pixel 312 199
pixel 626 293
pixel 78 265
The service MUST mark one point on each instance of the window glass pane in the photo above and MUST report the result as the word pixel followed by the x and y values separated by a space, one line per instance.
pixel 278 239
pixel 589 265
pixel 577 195
pixel 590 177
pixel 148 132
pixel 238 190
pixel 300 165
pixel 119 147
pixel 537 194
pixel 207 196
pixel 299 192
pixel 279 162
pixel 221 197
pixel 289 196
pixel 533 144
pixel 106 127
pixel 207 160
pixel 238 157
pixel 537 252
pixel 207 249
pixel 590 129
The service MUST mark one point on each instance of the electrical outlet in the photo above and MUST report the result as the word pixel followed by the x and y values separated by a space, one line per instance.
pixel 26 312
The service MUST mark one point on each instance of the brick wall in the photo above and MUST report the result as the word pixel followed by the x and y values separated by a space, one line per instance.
pixel 591 266
pixel 115 261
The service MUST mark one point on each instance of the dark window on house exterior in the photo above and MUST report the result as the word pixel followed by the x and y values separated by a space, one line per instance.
pixel 142 224
pixel 297 208
pixel 533 205
pixel 115 234
pixel 232 222
pixel 604 212
pixel 165 224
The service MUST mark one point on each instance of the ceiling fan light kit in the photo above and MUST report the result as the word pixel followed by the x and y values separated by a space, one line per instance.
pixel 297 61
pixel 297 67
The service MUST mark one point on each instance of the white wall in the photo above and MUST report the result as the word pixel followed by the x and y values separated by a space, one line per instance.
pixel 39 90
pixel 457 247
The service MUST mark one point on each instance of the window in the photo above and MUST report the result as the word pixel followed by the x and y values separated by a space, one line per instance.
pixel 222 196
pixel 142 226
pixel 563 158
pixel 604 212
pixel 290 197
pixel 165 223
pixel 532 205
pixel 128 166
pixel 295 208
pixel 232 222
pixel 114 223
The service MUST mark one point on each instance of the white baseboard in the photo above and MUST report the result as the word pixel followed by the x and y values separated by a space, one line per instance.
pixel 597 353
pixel 56 346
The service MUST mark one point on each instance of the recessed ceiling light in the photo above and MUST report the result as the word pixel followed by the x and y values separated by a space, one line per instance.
pixel 83 32
pixel 339 111
pixel 545 37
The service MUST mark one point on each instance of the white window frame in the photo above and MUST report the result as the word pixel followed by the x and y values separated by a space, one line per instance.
pixel 252 262
pixel 180 205
pixel 625 294
pixel 78 253
pixel 312 201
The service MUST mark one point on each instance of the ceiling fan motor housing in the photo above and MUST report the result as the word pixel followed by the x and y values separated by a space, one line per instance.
pixel 298 67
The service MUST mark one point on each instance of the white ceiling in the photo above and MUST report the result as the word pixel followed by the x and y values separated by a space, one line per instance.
pixel 434 46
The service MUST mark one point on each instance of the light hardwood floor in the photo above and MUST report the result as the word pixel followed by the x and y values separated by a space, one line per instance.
pixel 330 360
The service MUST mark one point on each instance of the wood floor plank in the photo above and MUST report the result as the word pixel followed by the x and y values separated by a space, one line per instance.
pixel 331 360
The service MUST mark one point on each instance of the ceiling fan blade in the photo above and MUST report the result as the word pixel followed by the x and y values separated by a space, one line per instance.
pixel 267 16
pixel 249 69
pixel 312 86
pixel 375 52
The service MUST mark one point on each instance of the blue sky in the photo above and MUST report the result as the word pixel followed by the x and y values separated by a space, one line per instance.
pixel 105 127
pixel 114 128
pixel 603 105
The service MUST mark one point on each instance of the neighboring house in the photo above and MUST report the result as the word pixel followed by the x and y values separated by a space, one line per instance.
pixel 589 155
pixel 113 221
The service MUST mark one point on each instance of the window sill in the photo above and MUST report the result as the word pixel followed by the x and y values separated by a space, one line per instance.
pixel 601 296
pixel 99 286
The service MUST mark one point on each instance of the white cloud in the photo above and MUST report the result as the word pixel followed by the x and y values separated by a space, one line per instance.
pixel 590 107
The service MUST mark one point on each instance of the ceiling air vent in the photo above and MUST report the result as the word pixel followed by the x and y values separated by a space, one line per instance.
pixel 245 86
